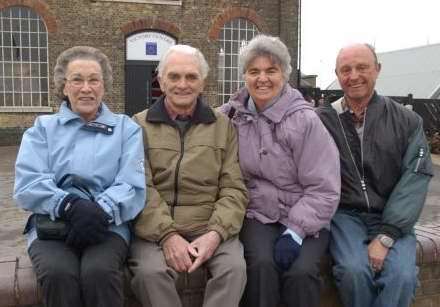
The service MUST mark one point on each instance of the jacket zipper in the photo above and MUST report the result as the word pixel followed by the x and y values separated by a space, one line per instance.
pixel 176 174
pixel 361 177
pixel 419 160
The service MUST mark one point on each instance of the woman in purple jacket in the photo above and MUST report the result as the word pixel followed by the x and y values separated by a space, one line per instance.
pixel 291 168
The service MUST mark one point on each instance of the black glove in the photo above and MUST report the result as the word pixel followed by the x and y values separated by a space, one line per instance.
pixel 286 251
pixel 89 222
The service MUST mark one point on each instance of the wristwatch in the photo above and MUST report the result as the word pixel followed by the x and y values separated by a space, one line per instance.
pixel 385 240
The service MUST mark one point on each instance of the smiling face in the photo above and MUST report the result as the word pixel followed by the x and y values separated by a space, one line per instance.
pixel 264 80
pixel 84 87
pixel 181 81
pixel 357 71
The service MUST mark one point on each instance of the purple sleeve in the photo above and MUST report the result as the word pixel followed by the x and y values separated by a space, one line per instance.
pixel 317 160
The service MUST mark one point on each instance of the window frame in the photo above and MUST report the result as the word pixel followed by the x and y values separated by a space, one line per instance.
pixel 24 72
pixel 229 79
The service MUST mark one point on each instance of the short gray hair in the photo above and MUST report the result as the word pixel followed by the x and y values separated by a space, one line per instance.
pixel 80 53
pixel 188 50
pixel 269 46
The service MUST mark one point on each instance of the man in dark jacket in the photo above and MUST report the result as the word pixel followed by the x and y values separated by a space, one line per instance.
pixel 385 171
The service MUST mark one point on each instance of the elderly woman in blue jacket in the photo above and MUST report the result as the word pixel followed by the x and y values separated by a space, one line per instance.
pixel 291 169
pixel 84 168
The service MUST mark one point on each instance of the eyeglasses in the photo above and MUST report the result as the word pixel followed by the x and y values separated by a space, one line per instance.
pixel 80 82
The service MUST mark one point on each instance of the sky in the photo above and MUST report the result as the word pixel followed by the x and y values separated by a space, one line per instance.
pixel 328 25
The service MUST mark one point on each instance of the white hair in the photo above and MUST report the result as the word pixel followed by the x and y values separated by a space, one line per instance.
pixel 184 49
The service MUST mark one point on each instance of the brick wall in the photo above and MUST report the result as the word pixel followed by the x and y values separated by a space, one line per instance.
pixel 105 25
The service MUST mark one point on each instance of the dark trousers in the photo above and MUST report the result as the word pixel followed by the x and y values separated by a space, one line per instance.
pixel 92 277
pixel 268 286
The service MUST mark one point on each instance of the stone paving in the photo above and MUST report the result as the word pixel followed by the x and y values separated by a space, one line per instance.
pixel 12 219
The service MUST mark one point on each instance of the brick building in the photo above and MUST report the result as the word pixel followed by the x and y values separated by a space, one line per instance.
pixel 133 34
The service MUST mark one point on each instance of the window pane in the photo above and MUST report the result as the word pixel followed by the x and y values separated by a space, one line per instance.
pixel 26 85
pixel 35 83
pixel 35 99
pixel 25 25
pixel 25 56
pixel 27 100
pixel 34 54
pixel 34 25
pixel 17 100
pixel 24 39
pixel 44 100
pixel 43 40
pixel 6 24
pixel 7 41
pixel 43 70
pixel 7 54
pixel 8 100
pixel 15 25
pixel 43 54
pixel 43 83
pixel 34 40
pixel 34 70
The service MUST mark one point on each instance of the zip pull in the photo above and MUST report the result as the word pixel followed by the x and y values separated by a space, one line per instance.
pixel 419 160
pixel 364 190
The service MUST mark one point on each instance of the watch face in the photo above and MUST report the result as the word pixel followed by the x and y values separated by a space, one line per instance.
pixel 386 241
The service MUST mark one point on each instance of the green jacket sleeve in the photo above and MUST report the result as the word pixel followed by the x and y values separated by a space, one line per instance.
pixel 154 223
pixel 230 207
pixel 406 202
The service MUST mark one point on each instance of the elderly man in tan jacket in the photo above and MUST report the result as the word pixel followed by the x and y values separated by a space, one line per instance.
pixel 196 195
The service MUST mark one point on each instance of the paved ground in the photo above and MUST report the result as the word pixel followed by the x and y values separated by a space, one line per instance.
pixel 12 219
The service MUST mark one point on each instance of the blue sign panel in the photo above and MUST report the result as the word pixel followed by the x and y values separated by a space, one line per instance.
pixel 151 48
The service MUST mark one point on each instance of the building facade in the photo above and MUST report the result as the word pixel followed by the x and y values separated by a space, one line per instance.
pixel 133 34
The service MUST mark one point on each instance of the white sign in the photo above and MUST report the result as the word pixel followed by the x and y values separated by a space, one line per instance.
pixel 148 46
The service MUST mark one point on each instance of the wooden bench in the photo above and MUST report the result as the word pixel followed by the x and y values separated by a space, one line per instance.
pixel 18 284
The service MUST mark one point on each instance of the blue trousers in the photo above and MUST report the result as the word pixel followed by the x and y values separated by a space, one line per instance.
pixel 358 285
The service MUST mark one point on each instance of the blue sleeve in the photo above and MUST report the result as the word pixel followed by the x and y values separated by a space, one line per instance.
pixel 125 198
pixel 35 189
pixel 406 202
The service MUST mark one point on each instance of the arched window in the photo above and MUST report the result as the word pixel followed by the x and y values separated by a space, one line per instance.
pixel 234 34
pixel 23 60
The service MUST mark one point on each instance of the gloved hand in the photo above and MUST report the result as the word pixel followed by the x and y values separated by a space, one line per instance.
pixel 89 222
pixel 286 251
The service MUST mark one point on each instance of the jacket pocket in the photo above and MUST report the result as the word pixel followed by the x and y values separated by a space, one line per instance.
pixel 423 164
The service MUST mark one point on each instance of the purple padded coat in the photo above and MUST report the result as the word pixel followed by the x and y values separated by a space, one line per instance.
pixel 289 161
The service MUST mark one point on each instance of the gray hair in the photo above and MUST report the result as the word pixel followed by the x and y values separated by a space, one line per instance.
pixel 269 46
pixel 80 53
pixel 188 50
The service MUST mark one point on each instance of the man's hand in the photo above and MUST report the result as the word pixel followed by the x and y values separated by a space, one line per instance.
pixel 176 253
pixel 203 248
pixel 376 255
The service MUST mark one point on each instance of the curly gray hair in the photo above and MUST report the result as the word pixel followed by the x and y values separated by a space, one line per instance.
pixel 80 53
pixel 268 46
pixel 185 49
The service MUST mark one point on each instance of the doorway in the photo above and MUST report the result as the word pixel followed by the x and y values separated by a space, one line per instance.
pixel 141 86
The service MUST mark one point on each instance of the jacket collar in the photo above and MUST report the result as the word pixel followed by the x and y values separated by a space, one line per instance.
pixel 289 101
pixel 105 116
pixel 203 114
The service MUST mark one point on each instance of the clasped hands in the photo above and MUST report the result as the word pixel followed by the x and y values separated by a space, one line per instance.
pixel 185 256
pixel 88 221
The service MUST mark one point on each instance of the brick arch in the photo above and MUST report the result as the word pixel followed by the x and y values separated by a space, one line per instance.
pixel 151 23
pixel 40 7
pixel 232 13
